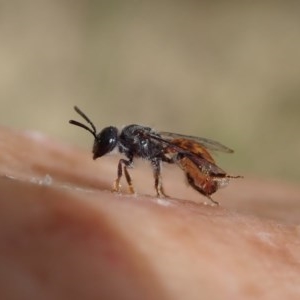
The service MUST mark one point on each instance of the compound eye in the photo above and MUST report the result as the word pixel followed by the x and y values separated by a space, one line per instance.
pixel 105 142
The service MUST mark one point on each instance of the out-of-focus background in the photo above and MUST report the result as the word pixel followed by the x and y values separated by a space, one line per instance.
pixel 227 70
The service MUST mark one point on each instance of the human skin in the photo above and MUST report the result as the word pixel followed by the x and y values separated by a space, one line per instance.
pixel 65 235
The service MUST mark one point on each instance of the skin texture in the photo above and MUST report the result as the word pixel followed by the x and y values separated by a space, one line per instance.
pixel 65 235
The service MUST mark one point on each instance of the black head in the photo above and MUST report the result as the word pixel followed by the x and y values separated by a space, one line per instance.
pixel 105 141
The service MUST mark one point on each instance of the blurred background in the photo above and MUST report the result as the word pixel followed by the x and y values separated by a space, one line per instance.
pixel 226 70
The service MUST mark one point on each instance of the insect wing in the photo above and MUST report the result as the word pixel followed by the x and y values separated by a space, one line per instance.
pixel 181 145
pixel 191 147
pixel 204 142
pixel 205 166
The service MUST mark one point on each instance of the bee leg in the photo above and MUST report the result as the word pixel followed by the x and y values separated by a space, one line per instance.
pixel 117 185
pixel 156 164
pixel 129 180
pixel 199 189
pixel 235 176
pixel 212 200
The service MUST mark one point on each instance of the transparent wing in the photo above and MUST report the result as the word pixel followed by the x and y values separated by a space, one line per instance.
pixel 206 143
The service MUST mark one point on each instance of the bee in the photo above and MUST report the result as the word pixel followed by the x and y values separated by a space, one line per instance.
pixel 190 153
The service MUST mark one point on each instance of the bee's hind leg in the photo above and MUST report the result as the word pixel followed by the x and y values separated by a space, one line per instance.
pixel 212 200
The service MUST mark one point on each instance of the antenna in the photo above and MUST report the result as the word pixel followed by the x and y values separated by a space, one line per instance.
pixel 93 131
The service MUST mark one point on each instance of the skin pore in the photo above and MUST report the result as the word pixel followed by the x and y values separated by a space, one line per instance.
pixel 65 235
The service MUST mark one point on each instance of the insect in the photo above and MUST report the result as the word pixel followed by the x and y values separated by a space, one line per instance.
pixel 190 153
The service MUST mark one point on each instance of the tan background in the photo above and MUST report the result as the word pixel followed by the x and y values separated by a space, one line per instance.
pixel 225 70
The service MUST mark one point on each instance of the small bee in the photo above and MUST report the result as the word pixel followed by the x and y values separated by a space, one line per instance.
pixel 188 152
